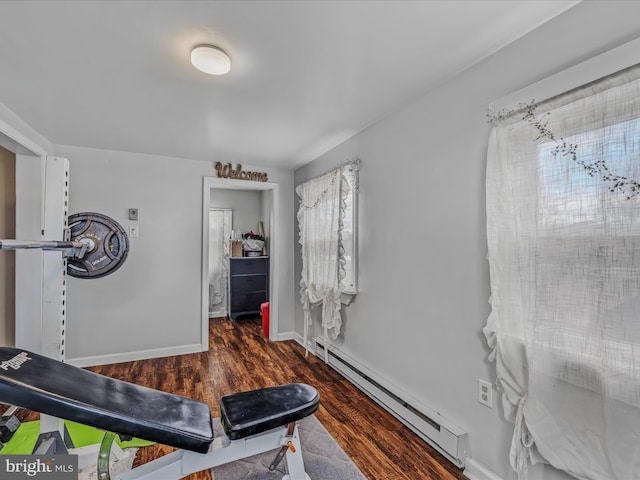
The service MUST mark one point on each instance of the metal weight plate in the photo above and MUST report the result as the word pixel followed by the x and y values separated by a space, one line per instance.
pixel 107 245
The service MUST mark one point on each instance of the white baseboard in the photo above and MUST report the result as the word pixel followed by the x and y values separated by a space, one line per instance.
pixel 156 353
pixel 132 356
pixel 476 471
pixel 289 336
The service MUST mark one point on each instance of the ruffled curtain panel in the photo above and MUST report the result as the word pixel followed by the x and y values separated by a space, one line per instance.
pixel 320 220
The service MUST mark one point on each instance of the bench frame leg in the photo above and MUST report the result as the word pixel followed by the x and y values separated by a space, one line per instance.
pixel 181 463
pixel 54 438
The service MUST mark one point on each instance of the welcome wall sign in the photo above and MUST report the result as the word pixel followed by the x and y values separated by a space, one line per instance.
pixel 227 171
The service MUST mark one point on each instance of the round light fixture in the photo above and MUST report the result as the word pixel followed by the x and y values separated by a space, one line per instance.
pixel 210 59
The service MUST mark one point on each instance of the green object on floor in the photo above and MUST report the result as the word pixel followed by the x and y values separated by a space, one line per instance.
pixel 25 438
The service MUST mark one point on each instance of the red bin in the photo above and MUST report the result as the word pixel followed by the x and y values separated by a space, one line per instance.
pixel 264 311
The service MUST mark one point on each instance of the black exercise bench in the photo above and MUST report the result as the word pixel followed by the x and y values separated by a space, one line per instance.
pixel 254 421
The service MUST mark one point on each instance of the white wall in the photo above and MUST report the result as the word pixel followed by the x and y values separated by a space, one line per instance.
pixel 246 206
pixel 152 305
pixel 424 279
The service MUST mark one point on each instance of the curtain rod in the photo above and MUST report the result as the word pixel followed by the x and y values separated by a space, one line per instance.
pixel 620 77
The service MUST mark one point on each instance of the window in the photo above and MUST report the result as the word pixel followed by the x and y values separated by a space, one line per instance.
pixel 571 193
pixel 349 238
pixel 327 221
pixel 580 217
pixel 563 236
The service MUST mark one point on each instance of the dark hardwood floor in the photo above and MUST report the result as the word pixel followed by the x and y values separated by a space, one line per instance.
pixel 241 358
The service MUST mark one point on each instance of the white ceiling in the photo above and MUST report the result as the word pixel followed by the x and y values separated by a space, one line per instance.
pixel 305 76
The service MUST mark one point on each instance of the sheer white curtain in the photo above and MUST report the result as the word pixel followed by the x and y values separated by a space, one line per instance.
pixel 219 235
pixel 564 256
pixel 321 219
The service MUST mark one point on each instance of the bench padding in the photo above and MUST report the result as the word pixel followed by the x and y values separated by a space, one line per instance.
pixel 249 413
pixel 38 383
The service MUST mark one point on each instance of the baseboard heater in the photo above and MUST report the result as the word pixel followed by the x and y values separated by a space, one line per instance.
pixel 448 439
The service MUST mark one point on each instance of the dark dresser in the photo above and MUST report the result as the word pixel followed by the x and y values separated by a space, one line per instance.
pixel 248 285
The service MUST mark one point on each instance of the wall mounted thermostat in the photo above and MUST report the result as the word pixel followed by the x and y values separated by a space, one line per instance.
pixel 133 214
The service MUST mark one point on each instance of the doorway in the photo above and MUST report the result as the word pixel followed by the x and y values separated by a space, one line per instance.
pixel 7 259
pixel 270 215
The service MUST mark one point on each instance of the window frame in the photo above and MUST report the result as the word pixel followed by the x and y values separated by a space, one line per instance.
pixel 350 282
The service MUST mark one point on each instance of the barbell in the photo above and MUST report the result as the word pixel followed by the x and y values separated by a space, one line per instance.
pixel 97 245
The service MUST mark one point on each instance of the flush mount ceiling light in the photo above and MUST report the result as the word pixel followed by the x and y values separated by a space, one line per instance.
pixel 210 59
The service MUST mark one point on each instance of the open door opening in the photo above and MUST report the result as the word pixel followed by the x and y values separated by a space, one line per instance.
pixel 269 215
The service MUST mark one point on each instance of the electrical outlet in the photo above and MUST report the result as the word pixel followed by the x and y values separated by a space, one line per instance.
pixel 485 393
pixel 133 231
